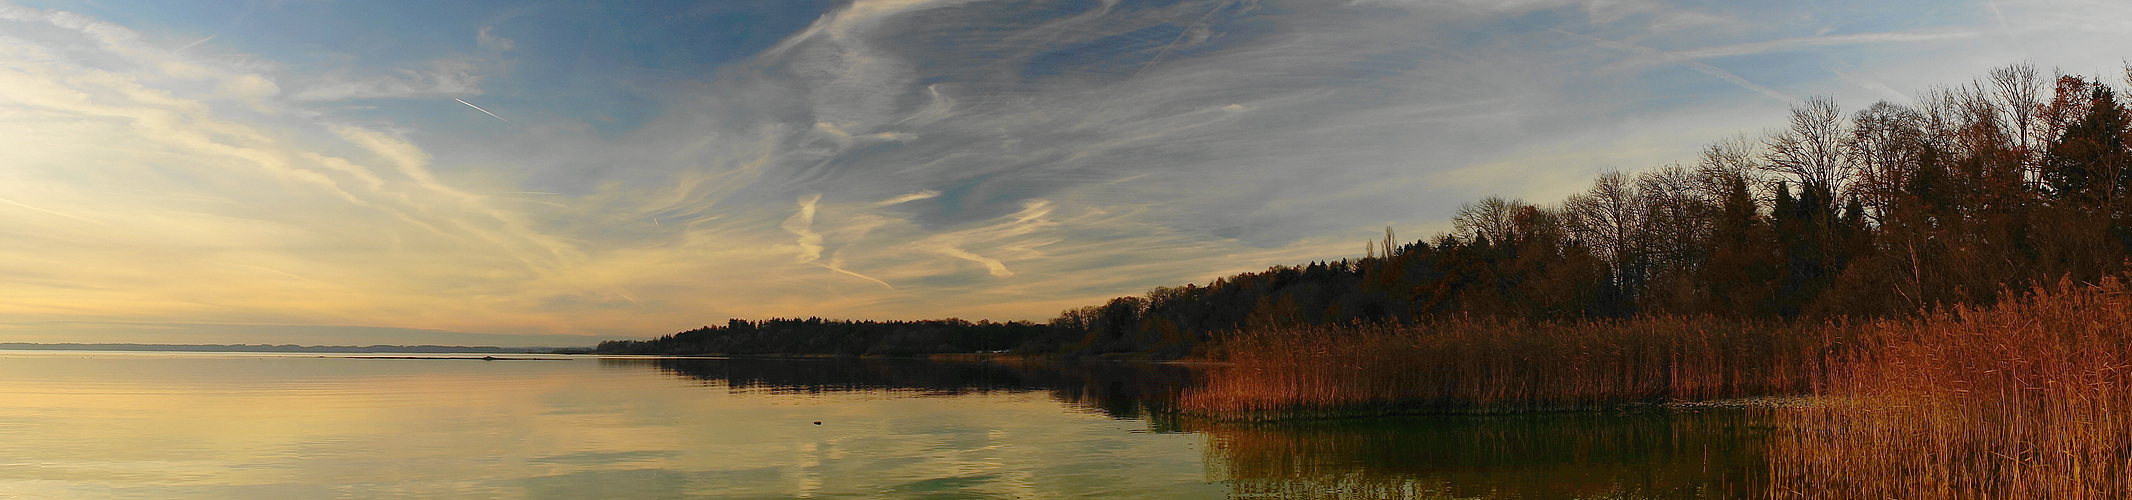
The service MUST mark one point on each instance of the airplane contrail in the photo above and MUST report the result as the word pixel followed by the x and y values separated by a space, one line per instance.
pixel 854 274
pixel 2002 26
pixel 1690 62
pixel 58 213
pixel 478 108
pixel 189 45
pixel 1180 37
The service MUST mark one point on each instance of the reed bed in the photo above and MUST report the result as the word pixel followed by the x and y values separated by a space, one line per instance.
pixel 2030 398
pixel 2027 399
pixel 1552 455
pixel 1496 366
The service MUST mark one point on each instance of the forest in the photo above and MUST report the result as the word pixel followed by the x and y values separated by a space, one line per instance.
pixel 816 336
pixel 1969 195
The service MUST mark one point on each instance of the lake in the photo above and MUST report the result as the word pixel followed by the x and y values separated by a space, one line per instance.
pixel 84 424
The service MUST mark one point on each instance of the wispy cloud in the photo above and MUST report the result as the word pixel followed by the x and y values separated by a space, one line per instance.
pixel 1741 49
pixel 486 40
pixel 1003 234
pixel 54 213
pixel 912 196
pixel 443 78
pixel 1682 60
pixel 801 224
pixel 888 159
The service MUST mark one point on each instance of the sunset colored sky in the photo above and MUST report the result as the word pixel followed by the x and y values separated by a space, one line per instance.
pixel 555 173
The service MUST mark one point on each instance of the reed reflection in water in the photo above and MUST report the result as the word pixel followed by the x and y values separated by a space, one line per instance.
pixel 1642 454
pixel 244 425
pixel 1649 454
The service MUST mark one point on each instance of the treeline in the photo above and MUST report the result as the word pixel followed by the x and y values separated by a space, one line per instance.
pixel 1893 209
pixel 2010 181
pixel 840 338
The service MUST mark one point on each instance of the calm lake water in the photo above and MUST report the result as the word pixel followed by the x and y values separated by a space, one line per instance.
pixel 211 425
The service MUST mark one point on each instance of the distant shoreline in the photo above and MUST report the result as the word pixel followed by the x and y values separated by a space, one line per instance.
pixel 25 346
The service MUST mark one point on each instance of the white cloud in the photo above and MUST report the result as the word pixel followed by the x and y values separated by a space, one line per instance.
pixel 444 78
pixel 483 39
pixel 1671 57
pixel 801 224
pixel 253 89
pixel 910 197
pixel 1006 235
pixel 132 193
pixel 1603 11
pixel 1741 49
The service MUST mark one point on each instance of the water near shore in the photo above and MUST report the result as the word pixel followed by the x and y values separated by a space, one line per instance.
pixel 249 425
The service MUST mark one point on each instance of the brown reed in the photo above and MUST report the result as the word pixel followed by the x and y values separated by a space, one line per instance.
pixel 2026 399
pixel 1499 366
pixel 1550 455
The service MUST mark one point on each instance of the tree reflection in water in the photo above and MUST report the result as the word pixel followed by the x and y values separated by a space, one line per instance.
pixel 1639 454
pixel 1120 390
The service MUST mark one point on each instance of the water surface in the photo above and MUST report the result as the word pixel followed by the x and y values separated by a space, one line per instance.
pixel 251 425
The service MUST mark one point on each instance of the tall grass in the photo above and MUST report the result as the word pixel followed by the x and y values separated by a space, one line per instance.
pixel 1491 366
pixel 2027 399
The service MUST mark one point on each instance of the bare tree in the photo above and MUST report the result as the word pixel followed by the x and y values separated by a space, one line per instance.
pixel 1811 151
pixel 1608 218
pixel 1941 110
pixel 1492 217
pixel 1735 158
pixel 1980 125
pixel 2020 94
pixel 1885 142
pixel 1676 214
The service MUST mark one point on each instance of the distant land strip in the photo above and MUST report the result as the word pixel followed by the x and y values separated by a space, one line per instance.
pixel 289 348
pixel 480 358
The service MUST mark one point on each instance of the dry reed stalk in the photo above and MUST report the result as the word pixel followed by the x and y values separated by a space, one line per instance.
pixel 1488 366
pixel 2021 400
pixel 1558 455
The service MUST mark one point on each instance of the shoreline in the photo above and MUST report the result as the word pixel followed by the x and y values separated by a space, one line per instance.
pixel 1752 403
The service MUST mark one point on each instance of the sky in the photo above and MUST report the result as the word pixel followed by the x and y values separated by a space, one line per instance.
pixel 561 172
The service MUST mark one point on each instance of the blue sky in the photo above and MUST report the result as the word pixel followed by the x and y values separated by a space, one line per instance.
pixel 259 171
